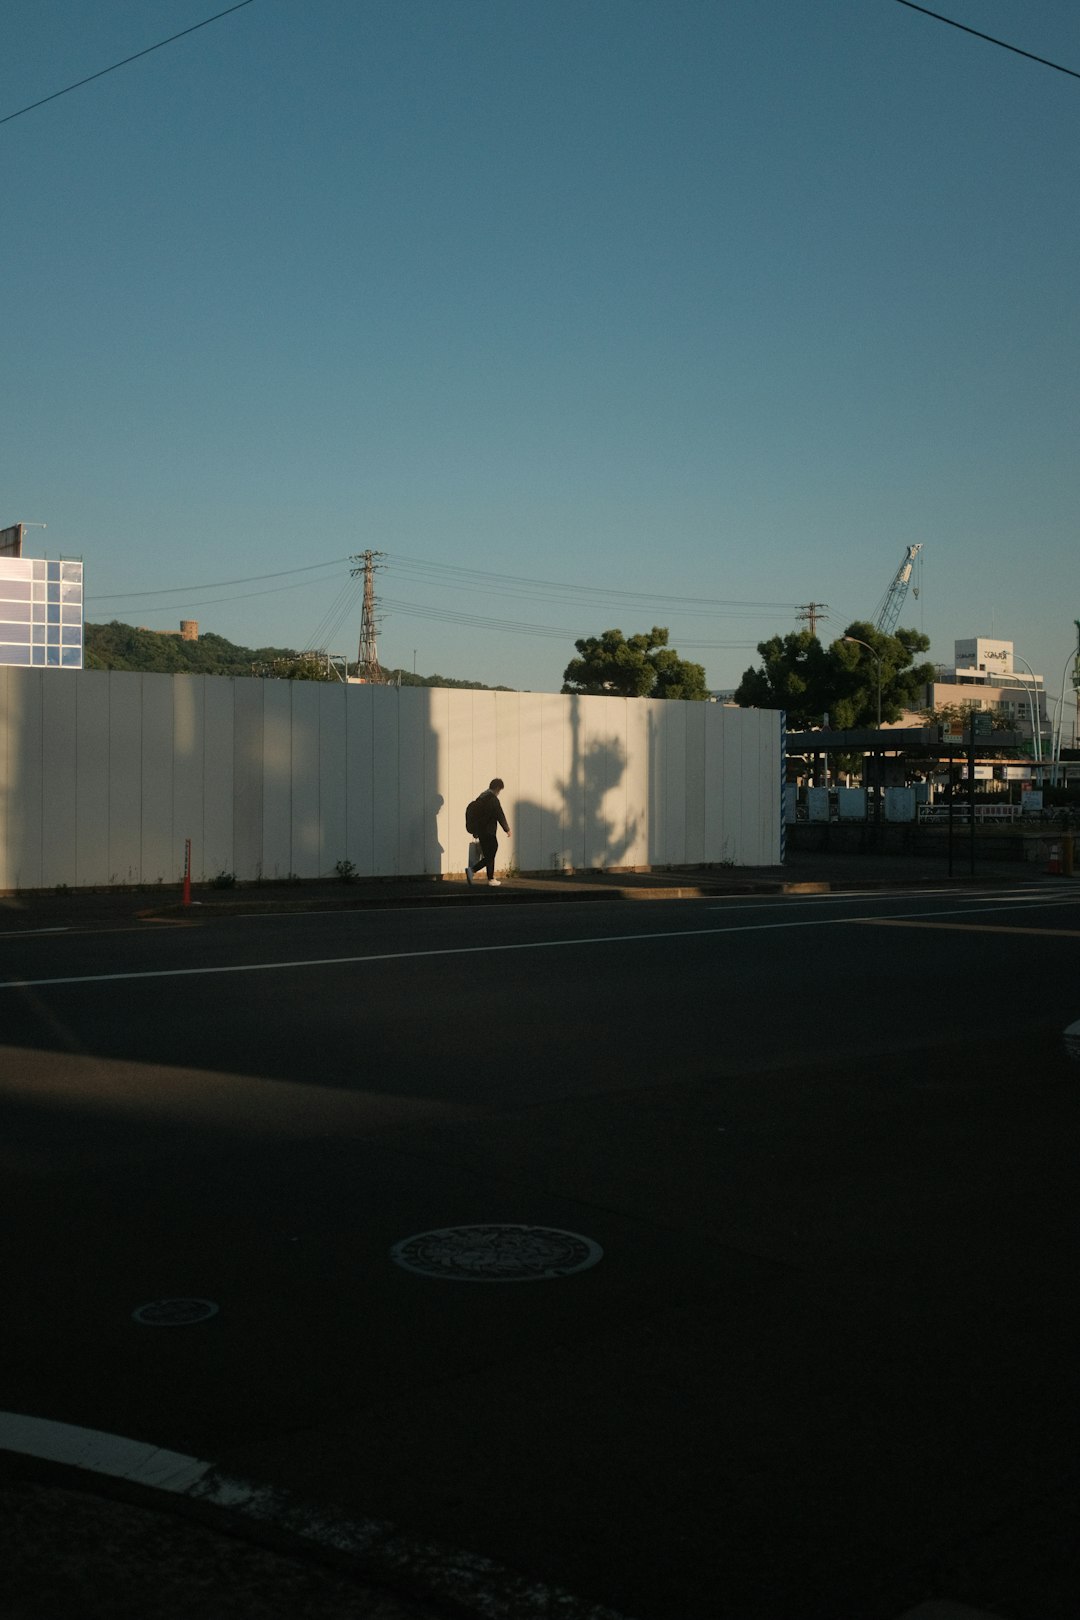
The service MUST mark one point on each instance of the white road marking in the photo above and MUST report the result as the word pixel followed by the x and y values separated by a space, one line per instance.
pixel 25 933
pixel 401 956
pixel 478 950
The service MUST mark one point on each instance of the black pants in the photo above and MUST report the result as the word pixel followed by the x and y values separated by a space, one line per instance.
pixel 489 846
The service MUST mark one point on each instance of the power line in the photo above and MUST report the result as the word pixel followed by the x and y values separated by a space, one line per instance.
pixel 477 621
pixel 1005 46
pixel 219 584
pixel 101 74
pixel 495 584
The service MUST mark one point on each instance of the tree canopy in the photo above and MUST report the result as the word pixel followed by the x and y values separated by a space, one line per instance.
pixel 610 665
pixel 121 646
pixel 811 681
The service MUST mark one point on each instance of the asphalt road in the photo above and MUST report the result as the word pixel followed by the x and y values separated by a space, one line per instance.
pixel 826 1365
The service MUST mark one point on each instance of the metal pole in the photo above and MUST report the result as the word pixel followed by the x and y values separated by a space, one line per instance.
pixel 876 751
pixel 971 795
pixel 1055 745
pixel 1036 718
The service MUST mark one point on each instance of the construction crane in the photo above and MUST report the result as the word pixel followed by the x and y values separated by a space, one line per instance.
pixel 888 610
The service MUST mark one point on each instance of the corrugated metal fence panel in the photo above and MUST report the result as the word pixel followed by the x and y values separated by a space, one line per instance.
pixel 384 779
pixel 694 743
pixel 304 840
pixel 508 750
pixel 58 829
pixel 125 781
pixel 461 786
pixel 92 779
pixel 757 788
pixel 248 774
pixel 637 784
pixel 735 833
pixel 219 754
pixel 414 743
pixel 188 798
pixel 556 769
pixel 602 768
pixel 715 811
pixel 161 855
pixel 525 813
pixel 332 776
pixel 436 782
pixel 359 797
pixel 770 785
pixel 104 776
pixel 25 784
pixel 277 781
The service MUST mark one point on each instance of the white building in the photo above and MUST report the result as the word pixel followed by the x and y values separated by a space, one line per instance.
pixel 41 607
pixel 984 676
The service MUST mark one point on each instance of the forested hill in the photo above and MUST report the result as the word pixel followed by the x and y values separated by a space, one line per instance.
pixel 121 646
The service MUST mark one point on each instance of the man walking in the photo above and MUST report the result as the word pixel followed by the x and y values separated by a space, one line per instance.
pixel 484 818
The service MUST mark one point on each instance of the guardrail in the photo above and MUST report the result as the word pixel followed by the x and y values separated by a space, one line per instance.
pixel 962 812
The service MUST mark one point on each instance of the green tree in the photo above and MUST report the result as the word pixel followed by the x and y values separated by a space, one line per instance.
pixel 854 675
pixel 841 680
pixel 609 665
pixel 794 675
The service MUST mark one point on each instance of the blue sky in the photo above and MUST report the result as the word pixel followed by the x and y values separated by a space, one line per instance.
pixel 723 304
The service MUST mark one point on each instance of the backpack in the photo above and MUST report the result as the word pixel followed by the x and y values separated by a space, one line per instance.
pixel 472 824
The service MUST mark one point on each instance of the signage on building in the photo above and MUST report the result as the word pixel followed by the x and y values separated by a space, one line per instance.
pixel 980 652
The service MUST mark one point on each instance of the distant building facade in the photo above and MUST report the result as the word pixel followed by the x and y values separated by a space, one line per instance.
pixel 41 608
pixel 983 676
pixel 188 631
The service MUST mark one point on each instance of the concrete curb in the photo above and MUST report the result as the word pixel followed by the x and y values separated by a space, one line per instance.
pixel 430 1579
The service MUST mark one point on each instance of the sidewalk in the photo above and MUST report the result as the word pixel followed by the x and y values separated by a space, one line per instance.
pixel 803 872
pixel 90 1545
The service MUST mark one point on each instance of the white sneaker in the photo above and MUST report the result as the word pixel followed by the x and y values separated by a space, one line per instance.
pixel 494 883
pixel 468 876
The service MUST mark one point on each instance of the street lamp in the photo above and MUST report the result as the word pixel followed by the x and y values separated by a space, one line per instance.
pixel 877 658
pixel 1036 723
pixel 1055 743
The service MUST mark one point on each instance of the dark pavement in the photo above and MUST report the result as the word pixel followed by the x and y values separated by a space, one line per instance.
pixel 88 1543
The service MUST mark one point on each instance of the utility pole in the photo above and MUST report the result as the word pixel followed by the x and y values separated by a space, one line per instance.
pixel 811 613
pixel 368 656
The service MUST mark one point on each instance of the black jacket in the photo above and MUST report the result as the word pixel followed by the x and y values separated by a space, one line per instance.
pixel 489 814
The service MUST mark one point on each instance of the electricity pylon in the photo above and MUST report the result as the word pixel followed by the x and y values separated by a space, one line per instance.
pixel 368 666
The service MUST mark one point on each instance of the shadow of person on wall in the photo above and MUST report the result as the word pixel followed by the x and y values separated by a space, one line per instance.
pixel 433 848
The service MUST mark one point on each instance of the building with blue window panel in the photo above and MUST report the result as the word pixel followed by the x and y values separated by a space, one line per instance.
pixel 41 612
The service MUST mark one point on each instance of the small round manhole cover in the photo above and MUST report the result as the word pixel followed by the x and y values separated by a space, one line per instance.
pixel 497 1253
pixel 175 1312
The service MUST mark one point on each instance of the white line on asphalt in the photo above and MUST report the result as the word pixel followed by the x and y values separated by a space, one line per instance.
pixel 479 1583
pixel 400 956
pixel 477 950
pixel 24 933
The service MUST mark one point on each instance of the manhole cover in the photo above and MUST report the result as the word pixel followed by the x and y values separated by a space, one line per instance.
pixel 498 1253
pixel 175 1312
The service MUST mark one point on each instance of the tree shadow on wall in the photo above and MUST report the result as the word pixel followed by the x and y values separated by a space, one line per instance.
pixel 574 831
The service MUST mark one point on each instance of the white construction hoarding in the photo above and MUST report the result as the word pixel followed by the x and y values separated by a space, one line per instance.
pixel 103 776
